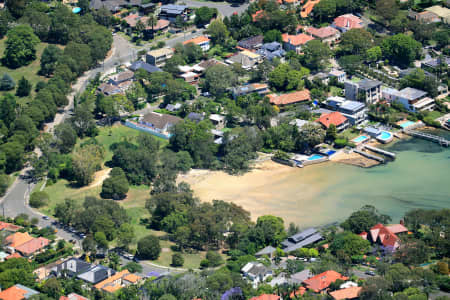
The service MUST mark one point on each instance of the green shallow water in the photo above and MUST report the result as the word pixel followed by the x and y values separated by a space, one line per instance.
pixel 418 178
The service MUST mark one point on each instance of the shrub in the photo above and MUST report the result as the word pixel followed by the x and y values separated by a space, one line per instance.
pixel 7 83
pixel 214 258
pixel 340 143
pixel 177 260
pixel 38 199
pixel 133 267
pixel 204 263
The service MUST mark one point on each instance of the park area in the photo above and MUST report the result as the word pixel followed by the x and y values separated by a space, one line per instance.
pixel 134 203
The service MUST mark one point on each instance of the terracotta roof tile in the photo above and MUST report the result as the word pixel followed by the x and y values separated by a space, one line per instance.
pixel 385 236
pixel 14 255
pixel 9 226
pixel 323 280
pixel 32 246
pixel 301 290
pixel 397 228
pixel 197 40
pixel 266 297
pixel 335 118
pixel 297 40
pixel 133 278
pixel 289 98
pixel 17 292
pixel 257 15
pixel 348 21
pixel 308 8
pixel 323 32
pixel 348 293
pixel 18 238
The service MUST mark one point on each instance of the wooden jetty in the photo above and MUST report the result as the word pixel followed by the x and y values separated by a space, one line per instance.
pixel 430 137
pixel 380 151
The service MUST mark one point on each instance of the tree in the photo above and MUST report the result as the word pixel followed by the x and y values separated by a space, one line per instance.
pixel 401 49
pixel 7 83
pixel 349 244
pixel 218 79
pixel 20 46
pixel 83 121
pixel 373 54
pixel 310 136
pixel 192 52
pixel 133 267
pixel 53 288
pixel 89 244
pixel 214 259
pixel 49 60
pixel 177 260
pixel 24 87
pixel 273 35
pixel 167 297
pixel 39 199
pixel 356 41
pixel 171 65
pixel 325 9
pixel 85 161
pixel 316 54
pixel 101 240
pixel 218 32
pixel 16 7
pixel 204 14
pixel 116 185
pixel 125 235
pixel 5 20
pixel 271 229
pixel 387 9
pixel 4 183
pixel 364 219
pixel 331 133
pixel 419 80
pixel 66 137
pixel 149 248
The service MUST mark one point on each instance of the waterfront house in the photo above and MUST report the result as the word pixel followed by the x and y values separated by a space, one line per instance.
pixel 366 90
pixel 322 281
pixel 335 118
pixel 354 111
pixel 202 41
pixel 327 34
pixel 17 292
pixel 412 99
pixel 295 42
pixel 271 50
pixel 258 88
pixel 387 236
pixel 340 75
pixel 256 272
pixel 252 43
pixel 171 11
pixel 301 239
pixel 347 293
pixel 290 98
pixel 347 22
pixel 158 123
pixel 158 57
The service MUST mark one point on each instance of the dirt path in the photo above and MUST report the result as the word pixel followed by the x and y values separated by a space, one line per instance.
pixel 99 177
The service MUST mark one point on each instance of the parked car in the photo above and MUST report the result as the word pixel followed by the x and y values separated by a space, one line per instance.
pixel 45 218
pixel 369 272
pixel 135 259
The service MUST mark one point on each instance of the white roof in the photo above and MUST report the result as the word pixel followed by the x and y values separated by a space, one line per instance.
pixel 247 267
pixel 348 284
pixel 189 74
pixel 185 69
pixel 217 117
pixel 422 103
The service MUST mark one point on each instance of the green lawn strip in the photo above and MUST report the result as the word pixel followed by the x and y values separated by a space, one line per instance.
pixel 30 72
pixel 335 91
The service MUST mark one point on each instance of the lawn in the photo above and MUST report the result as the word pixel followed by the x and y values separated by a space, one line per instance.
pixel 335 91
pixel 30 72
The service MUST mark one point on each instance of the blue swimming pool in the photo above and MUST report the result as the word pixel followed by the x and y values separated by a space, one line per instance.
pixel 385 135
pixel 330 152
pixel 360 139
pixel 76 10
pixel 407 124
pixel 315 157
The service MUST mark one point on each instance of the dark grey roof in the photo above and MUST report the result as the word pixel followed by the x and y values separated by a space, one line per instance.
pixel 258 269
pixel 367 84
pixel 143 65
pixel 308 241
pixel 251 42
pixel 434 62
pixel 301 276
pixel 72 267
pixel 195 116
pixel 173 9
pixel 147 5
pixel 300 236
pixel 96 274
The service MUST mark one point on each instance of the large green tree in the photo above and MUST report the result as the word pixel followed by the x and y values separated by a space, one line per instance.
pixel 49 59
pixel 20 46
pixel 401 49
pixel 363 219
pixel 316 54
pixel 356 41
pixel 218 79
pixel 116 185
pixel 149 247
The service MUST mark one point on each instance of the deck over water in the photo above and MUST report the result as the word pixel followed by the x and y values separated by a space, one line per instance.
pixel 427 136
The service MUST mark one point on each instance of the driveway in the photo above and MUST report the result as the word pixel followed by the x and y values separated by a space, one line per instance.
pixel 224 8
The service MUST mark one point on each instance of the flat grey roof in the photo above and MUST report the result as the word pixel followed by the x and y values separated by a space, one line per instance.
pixel 367 84
pixel 412 93
pixel 352 105
pixel 308 241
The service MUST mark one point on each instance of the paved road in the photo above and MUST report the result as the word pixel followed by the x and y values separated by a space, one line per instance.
pixel 224 8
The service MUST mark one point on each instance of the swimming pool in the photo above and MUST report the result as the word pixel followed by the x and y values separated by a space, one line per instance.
pixel 76 10
pixel 330 152
pixel 407 124
pixel 315 157
pixel 385 137
pixel 360 139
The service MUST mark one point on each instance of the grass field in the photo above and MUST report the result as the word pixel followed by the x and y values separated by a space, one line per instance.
pixel 30 72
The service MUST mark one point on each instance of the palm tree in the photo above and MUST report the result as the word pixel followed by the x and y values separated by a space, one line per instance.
pixel 152 21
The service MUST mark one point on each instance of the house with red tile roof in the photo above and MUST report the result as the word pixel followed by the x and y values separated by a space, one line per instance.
pixel 9 227
pixel 385 235
pixel 202 41
pixel 327 34
pixel 257 15
pixel 323 280
pixel 290 98
pixel 14 255
pixel 347 22
pixel 348 293
pixel 17 292
pixel 299 292
pixel 335 118
pixel 266 297
pixel 295 42
pixel 118 281
pixel 17 239
pixel 33 246
pixel 308 8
